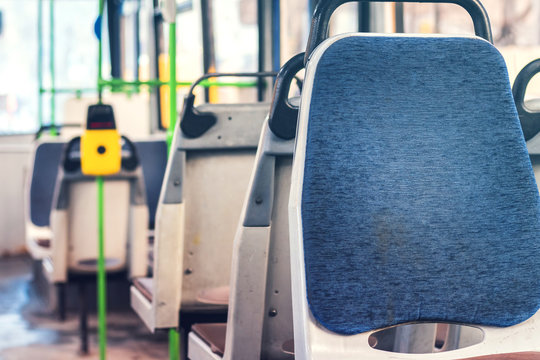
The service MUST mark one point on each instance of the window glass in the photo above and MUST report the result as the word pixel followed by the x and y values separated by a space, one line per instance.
pixel 18 67
pixel 75 64
pixel 515 25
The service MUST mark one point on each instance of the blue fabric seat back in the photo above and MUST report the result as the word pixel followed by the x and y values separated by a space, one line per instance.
pixel 153 157
pixel 418 199
pixel 46 163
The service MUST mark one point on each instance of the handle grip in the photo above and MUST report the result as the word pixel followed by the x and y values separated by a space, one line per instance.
pixel 283 116
pixel 325 9
pixel 530 121
pixel 194 123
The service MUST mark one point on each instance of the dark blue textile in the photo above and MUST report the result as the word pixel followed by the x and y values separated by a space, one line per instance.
pixel 419 202
pixel 153 156
pixel 46 163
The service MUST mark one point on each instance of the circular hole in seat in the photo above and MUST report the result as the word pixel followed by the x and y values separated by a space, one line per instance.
pixel 425 338
pixel 109 262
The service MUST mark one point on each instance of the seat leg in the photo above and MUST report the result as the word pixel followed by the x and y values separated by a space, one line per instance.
pixel 83 318
pixel 61 300
pixel 183 342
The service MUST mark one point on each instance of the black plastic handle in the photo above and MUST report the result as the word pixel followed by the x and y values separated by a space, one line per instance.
pixel 130 162
pixel 69 163
pixel 284 116
pixel 530 121
pixel 194 123
pixel 325 9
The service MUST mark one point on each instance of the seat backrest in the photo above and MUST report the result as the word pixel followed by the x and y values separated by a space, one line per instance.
pixel 260 308
pixel 408 172
pixel 82 223
pixel 153 157
pixel 44 172
pixel 205 183
pixel 75 217
pixel 215 181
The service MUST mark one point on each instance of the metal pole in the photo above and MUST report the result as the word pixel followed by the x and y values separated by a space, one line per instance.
pixel 265 17
pixel 40 62
pixel 53 130
pixel 261 21
pixel 101 276
pixel 137 40
pixel 364 17
pixel 400 23
pixel 100 52
pixel 172 84
pixel 276 35
pixel 157 35
pixel 209 57
pixel 83 317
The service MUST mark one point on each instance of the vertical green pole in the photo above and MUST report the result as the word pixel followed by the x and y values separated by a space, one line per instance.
pixel 174 345
pixel 51 63
pixel 101 280
pixel 174 337
pixel 172 83
pixel 100 52
pixel 40 63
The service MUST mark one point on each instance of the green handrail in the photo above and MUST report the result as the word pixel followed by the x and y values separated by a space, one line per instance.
pixel 155 83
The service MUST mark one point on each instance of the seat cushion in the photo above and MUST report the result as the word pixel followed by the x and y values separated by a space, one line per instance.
pixel 515 356
pixel 213 335
pixel 214 296
pixel 418 201
pixel 145 287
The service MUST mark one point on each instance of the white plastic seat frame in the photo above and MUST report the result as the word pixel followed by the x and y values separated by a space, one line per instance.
pixel 259 322
pixel 74 225
pixel 260 308
pixel 312 341
pixel 199 207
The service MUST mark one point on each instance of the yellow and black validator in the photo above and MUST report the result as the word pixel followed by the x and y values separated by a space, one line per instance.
pixel 101 149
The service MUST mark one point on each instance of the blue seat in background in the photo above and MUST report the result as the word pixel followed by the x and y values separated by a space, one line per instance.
pixel 46 161
pixel 39 196
pixel 153 157
pixel 44 172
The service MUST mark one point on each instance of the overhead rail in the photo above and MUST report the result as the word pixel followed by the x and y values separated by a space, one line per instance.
pixel 323 11
pixel 117 85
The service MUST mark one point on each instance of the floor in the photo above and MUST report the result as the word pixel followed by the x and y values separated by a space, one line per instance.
pixel 28 330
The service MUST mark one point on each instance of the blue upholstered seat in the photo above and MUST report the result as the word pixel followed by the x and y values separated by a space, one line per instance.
pixel 153 156
pixel 419 201
pixel 45 171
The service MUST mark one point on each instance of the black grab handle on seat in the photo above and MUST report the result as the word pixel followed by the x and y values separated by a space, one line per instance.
pixel 283 116
pixel 194 123
pixel 325 9
pixel 530 121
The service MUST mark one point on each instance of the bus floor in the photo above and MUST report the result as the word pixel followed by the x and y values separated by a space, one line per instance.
pixel 29 331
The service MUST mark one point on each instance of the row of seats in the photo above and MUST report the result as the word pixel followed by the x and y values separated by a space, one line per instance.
pixel 61 217
pixel 410 198
pixel 398 190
